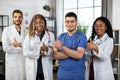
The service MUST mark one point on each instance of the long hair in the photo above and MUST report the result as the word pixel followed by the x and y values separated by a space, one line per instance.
pixel 107 24
pixel 32 27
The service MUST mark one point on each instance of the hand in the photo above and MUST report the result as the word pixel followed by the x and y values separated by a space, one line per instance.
pixel 44 47
pixel 57 44
pixel 90 44
pixel 16 43
pixel 42 53
pixel 55 49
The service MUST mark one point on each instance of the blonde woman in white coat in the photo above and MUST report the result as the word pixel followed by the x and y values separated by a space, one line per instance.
pixel 12 39
pixel 38 50
pixel 100 47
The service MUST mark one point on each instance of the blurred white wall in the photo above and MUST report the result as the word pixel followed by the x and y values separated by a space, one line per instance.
pixel 116 14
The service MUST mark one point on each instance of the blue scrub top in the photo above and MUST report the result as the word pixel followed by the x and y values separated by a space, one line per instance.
pixel 69 68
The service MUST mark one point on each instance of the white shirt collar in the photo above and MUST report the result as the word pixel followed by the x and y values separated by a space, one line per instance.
pixel 101 40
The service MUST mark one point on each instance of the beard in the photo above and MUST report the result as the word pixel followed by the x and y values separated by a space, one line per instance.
pixel 17 22
pixel 70 30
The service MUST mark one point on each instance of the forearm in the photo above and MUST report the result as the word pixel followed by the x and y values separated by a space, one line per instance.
pixel 96 49
pixel 60 55
pixel 76 54
pixel 11 49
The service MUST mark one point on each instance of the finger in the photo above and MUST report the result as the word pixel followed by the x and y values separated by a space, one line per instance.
pixel 90 39
pixel 15 39
pixel 43 44
pixel 55 49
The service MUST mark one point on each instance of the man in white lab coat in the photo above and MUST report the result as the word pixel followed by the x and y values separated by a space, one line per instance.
pixel 12 39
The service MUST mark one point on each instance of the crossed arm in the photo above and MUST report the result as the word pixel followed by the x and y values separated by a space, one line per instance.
pixel 67 52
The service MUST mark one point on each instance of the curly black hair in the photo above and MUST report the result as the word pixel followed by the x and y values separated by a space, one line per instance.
pixel 108 25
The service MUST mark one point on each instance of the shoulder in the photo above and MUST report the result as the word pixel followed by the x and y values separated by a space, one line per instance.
pixel 6 29
pixel 107 38
pixel 49 33
pixel 29 38
pixel 23 28
pixel 80 33
pixel 82 36
pixel 9 27
pixel 61 35
pixel 110 40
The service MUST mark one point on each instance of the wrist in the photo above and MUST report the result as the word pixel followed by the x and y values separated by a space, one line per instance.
pixel 20 44
pixel 60 48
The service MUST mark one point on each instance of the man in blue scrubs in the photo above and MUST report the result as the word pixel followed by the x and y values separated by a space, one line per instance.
pixel 70 50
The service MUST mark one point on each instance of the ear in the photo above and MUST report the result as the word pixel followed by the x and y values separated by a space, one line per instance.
pixel 77 23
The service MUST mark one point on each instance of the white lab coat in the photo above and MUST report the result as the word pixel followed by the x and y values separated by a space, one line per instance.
pixel 31 49
pixel 14 59
pixel 102 66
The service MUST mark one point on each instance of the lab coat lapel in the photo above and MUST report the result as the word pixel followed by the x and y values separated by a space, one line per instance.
pixel 45 38
pixel 15 33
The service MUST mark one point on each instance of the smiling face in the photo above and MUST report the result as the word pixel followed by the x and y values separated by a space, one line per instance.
pixel 70 23
pixel 100 28
pixel 39 25
pixel 17 19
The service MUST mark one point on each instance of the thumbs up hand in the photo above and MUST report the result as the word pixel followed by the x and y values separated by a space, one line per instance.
pixel 90 40
pixel 15 43
pixel 57 44
pixel 44 47
pixel 90 44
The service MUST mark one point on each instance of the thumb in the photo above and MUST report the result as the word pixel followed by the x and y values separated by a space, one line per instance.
pixel 15 39
pixel 43 44
pixel 90 40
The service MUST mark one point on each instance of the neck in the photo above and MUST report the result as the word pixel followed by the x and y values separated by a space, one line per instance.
pixel 39 33
pixel 18 27
pixel 71 32
pixel 99 36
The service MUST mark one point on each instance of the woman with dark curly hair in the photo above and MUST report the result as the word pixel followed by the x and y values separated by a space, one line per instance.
pixel 99 49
